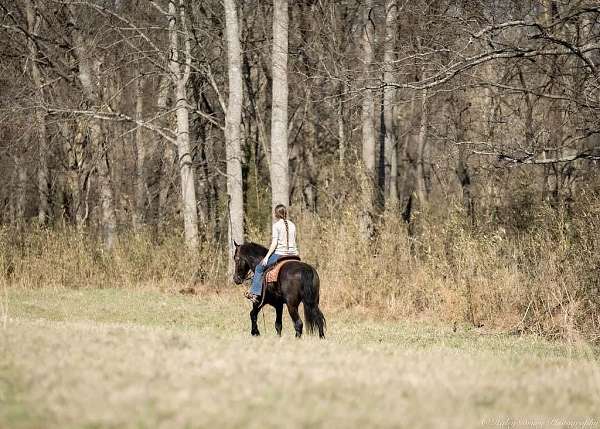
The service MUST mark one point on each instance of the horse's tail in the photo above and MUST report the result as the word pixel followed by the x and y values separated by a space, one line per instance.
pixel 312 314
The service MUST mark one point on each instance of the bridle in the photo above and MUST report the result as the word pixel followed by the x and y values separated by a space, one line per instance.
pixel 248 277
pixel 250 273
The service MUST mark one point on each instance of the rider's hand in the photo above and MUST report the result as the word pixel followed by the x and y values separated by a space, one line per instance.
pixel 264 261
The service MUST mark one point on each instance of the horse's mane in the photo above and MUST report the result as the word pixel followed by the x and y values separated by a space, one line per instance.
pixel 255 250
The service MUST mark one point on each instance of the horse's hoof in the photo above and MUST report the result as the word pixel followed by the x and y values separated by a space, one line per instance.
pixel 256 334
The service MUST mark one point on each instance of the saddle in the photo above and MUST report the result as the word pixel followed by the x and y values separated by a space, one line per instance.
pixel 272 273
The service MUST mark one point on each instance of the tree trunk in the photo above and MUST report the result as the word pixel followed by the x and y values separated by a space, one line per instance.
pixel 462 172
pixel 186 172
pixel 308 160
pixel 89 83
pixel 406 188
pixel 458 111
pixel 21 194
pixel 233 121
pixel 341 133
pixel 382 174
pixel 108 219
pixel 76 177
pixel 188 191
pixel 393 193
pixel 339 16
pixel 167 156
pixel 279 115
pixel 368 129
pixel 306 165
pixel 140 157
pixel 421 152
pixel 33 23
pixel 389 93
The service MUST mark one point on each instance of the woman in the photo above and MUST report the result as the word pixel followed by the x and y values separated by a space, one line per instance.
pixel 283 243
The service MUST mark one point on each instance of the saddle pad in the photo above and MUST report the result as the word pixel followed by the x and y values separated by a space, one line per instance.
pixel 273 273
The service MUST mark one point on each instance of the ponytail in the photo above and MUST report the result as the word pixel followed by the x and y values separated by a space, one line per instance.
pixel 287 234
pixel 281 213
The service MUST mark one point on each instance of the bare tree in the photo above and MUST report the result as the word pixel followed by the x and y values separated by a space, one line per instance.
pixel 421 187
pixel 180 74
pixel 391 152
pixel 140 152
pixel 233 119
pixel 21 188
pixel 33 26
pixel 167 155
pixel 529 84
pixel 89 79
pixel 368 118
pixel 280 187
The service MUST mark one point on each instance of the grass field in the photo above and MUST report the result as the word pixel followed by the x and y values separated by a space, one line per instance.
pixel 136 358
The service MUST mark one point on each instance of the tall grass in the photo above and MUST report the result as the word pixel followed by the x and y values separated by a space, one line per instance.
pixel 543 277
pixel 75 259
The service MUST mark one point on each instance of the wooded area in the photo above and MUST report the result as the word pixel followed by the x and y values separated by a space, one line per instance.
pixel 175 116
pixel 122 114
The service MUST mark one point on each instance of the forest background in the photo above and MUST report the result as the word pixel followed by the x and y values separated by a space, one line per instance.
pixel 440 157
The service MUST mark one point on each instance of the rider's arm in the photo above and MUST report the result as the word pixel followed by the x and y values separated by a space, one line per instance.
pixel 273 246
pixel 271 249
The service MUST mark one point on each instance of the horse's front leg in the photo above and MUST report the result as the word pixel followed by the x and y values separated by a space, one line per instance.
pixel 253 319
pixel 278 315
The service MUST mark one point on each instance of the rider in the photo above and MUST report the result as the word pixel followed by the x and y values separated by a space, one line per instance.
pixel 283 244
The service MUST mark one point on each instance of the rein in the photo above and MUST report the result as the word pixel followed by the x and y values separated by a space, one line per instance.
pixel 264 292
pixel 250 272
pixel 248 277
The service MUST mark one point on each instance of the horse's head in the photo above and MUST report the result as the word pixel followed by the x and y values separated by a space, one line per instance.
pixel 241 265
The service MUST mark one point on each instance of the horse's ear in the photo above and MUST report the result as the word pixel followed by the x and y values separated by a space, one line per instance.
pixel 236 245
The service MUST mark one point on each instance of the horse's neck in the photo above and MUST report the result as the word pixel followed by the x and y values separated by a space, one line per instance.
pixel 255 260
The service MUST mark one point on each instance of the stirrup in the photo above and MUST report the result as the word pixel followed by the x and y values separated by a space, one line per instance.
pixel 254 298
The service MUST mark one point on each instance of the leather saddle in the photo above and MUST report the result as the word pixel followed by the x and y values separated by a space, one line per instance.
pixel 272 273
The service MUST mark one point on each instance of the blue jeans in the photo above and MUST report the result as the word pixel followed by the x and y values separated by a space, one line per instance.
pixel 256 288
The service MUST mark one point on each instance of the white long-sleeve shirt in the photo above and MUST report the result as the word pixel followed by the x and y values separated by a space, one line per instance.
pixel 286 242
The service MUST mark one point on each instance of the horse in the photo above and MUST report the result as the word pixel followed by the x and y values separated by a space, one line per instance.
pixel 297 282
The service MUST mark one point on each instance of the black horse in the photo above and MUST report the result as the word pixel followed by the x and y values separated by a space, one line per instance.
pixel 298 282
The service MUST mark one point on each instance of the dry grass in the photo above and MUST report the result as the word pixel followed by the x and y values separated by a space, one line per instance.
pixel 543 279
pixel 538 276
pixel 127 358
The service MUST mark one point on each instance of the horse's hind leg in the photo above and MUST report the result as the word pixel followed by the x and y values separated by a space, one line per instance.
pixel 253 318
pixel 278 314
pixel 293 310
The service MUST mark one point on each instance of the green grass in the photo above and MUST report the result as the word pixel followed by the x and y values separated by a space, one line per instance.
pixel 136 358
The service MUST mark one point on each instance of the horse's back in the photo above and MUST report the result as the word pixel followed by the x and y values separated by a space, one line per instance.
pixel 296 270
